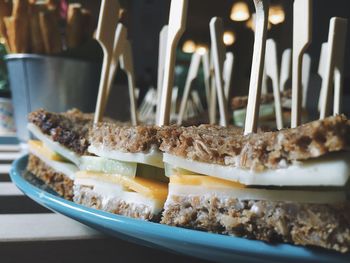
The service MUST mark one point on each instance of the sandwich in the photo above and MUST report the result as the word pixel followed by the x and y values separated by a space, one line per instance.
pixel 111 166
pixel 283 186
pixel 267 109
pixel 56 153
pixel 136 186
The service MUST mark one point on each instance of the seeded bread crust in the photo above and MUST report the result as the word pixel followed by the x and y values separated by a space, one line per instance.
pixel 131 139
pixel 59 182
pixel 84 195
pixel 321 225
pixel 69 128
pixel 242 101
pixel 227 146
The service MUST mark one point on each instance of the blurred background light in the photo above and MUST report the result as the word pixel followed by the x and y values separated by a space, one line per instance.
pixel 201 49
pixel 276 15
pixel 240 11
pixel 229 38
pixel 189 46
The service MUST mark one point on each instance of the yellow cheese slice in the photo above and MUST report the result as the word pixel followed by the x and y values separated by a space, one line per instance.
pixel 202 180
pixel 38 146
pixel 143 186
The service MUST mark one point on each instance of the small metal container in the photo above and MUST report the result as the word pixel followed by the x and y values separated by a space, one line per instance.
pixel 53 83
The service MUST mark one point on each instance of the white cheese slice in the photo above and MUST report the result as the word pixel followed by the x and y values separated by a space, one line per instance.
pixel 153 157
pixel 314 197
pixel 67 169
pixel 331 170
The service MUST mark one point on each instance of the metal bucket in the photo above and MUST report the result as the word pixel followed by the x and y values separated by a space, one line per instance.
pixel 54 83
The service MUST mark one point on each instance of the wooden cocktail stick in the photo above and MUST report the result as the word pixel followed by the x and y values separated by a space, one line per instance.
pixel 88 23
pixel 176 27
pixel 75 26
pixel 262 10
pixel 271 69
pixel 5 11
pixel 207 77
pixel 19 8
pixel 108 20
pixel 197 101
pixel 36 37
pixel 147 104
pixel 306 67
pixel 126 63
pixel 50 30
pixel 17 34
pixel 286 68
pixel 192 74
pixel 321 69
pixel 213 97
pixel 174 95
pixel 163 35
pixel 339 68
pixel 120 38
pixel 218 49
pixel 228 68
pixel 335 61
pixel 17 27
pixel 302 11
pixel 213 102
pixel 264 83
pixel 122 52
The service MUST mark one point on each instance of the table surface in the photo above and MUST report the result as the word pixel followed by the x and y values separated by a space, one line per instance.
pixel 32 233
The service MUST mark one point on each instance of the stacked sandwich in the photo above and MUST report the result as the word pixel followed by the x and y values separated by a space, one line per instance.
pixel 282 186
pixel 267 109
pixel 138 188
pixel 285 186
pixel 62 140
pixel 120 172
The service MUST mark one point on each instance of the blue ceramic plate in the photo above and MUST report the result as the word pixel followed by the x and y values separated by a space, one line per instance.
pixel 190 242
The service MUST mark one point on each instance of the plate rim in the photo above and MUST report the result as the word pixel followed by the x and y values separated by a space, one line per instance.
pixel 234 245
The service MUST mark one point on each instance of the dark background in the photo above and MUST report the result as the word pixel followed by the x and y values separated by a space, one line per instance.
pixel 146 18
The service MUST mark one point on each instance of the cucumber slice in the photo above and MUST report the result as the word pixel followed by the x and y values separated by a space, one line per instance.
pixel 266 112
pixel 151 172
pixel 109 166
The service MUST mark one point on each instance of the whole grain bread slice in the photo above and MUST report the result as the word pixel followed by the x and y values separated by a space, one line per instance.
pixel 69 128
pixel 228 146
pixel 124 138
pixel 322 225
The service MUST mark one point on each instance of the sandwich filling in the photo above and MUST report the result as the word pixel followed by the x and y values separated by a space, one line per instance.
pixel 139 189
pixel 197 185
pixel 54 157
pixel 112 192
pixel 317 216
pixel 286 186
pixel 318 172
pixel 313 154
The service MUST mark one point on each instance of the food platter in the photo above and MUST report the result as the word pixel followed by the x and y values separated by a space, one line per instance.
pixel 199 244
